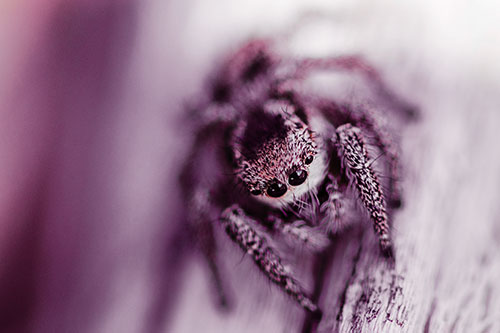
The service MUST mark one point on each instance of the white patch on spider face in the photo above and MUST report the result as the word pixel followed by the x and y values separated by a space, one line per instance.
pixel 317 170
pixel 316 173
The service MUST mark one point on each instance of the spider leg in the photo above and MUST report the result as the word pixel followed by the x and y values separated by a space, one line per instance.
pixel 238 226
pixel 355 63
pixel 333 208
pixel 383 141
pixel 352 150
pixel 208 247
pixel 298 232
pixel 364 118
pixel 202 211
pixel 203 231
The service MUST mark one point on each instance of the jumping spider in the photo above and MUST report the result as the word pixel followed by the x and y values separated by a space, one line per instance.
pixel 270 160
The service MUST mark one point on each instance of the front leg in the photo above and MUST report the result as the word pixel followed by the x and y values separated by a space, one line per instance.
pixel 238 226
pixel 299 233
pixel 382 140
pixel 333 209
pixel 355 63
pixel 352 150
pixel 201 226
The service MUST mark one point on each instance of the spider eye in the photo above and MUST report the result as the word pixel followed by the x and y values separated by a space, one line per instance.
pixel 309 159
pixel 276 189
pixel 256 192
pixel 298 177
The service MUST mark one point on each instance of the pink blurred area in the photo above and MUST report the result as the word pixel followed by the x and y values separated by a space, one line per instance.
pixel 84 196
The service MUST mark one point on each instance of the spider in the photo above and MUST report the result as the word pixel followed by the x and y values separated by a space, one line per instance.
pixel 271 163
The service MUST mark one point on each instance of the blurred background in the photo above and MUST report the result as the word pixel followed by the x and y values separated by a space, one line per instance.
pixel 91 95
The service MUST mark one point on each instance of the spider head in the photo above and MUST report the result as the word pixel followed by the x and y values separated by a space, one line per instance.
pixel 276 154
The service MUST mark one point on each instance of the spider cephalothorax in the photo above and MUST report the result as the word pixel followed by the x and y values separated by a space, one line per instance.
pixel 274 150
pixel 291 152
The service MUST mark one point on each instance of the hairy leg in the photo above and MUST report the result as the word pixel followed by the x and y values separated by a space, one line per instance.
pixel 367 120
pixel 299 233
pixel 202 228
pixel 333 208
pixel 363 117
pixel 352 150
pixel 238 226
pixel 354 63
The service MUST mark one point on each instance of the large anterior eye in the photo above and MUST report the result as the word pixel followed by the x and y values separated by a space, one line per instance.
pixel 276 189
pixel 298 177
